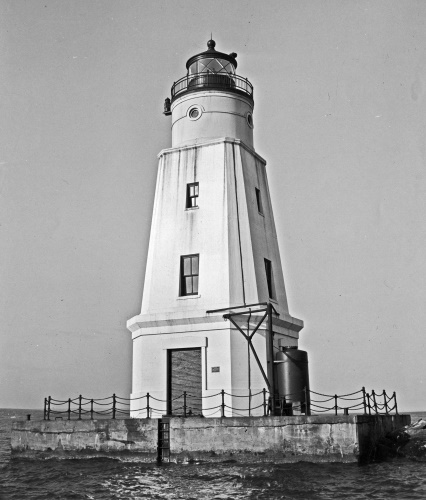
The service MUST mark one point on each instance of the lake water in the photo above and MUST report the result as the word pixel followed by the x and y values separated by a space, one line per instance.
pixel 106 478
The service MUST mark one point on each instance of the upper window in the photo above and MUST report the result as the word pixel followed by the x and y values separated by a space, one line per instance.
pixel 194 112
pixel 259 201
pixel 192 195
pixel 212 65
pixel 189 275
pixel 269 279
pixel 249 118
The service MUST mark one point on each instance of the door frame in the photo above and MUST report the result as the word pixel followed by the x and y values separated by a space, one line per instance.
pixel 169 373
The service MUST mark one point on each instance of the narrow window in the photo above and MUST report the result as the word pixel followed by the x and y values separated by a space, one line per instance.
pixel 189 275
pixel 192 195
pixel 259 201
pixel 269 279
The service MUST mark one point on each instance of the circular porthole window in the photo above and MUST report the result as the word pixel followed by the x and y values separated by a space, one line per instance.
pixel 194 112
pixel 249 118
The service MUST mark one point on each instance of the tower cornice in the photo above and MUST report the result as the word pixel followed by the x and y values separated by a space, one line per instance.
pixel 161 323
pixel 225 140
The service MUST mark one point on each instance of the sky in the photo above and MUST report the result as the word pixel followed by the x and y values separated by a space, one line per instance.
pixel 339 89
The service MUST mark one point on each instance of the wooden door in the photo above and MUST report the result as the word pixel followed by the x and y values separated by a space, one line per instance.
pixel 184 376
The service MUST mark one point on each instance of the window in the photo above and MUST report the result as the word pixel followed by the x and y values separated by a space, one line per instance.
pixel 189 275
pixel 249 118
pixel 259 201
pixel 192 195
pixel 212 66
pixel 194 112
pixel 269 279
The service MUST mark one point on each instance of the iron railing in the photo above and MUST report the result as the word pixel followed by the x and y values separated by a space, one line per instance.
pixel 217 405
pixel 218 81
pixel 360 402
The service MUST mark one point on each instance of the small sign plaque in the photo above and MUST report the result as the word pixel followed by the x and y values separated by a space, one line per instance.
pixel 215 369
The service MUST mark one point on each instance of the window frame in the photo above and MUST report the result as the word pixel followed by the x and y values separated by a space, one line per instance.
pixel 270 279
pixel 196 107
pixel 249 119
pixel 182 276
pixel 189 197
pixel 259 200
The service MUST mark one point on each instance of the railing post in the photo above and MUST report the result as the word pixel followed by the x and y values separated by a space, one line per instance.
pixel 69 408
pixel 79 406
pixel 184 403
pixel 147 405
pixel 48 407
pixel 364 401
pixel 369 404
pixel 386 403
pixel 264 402
pixel 396 406
pixel 45 409
pixel 91 409
pixel 113 406
pixel 335 404
pixel 223 403
pixel 374 400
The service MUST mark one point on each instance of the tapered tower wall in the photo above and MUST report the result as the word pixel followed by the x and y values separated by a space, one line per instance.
pixel 232 240
pixel 226 230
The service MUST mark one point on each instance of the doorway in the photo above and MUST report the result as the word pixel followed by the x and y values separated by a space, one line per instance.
pixel 184 382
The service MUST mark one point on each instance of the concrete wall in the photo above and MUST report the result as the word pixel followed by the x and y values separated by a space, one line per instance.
pixel 281 439
pixel 371 430
pixel 272 439
pixel 263 235
pixel 87 436
pixel 222 114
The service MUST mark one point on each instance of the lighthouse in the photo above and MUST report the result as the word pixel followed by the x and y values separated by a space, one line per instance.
pixel 214 319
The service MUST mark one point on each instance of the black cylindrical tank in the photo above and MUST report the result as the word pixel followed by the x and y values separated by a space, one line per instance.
pixel 292 375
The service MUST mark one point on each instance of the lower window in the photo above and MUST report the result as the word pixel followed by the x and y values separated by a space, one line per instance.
pixel 269 279
pixel 189 275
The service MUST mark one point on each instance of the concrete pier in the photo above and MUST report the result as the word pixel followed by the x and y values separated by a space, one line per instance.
pixel 323 438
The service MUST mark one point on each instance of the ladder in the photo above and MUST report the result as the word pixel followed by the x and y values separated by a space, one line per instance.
pixel 163 443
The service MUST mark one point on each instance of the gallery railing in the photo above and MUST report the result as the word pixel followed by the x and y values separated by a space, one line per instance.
pixel 217 405
pixel 217 81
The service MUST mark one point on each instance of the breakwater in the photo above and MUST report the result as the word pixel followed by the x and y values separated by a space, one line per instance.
pixel 281 439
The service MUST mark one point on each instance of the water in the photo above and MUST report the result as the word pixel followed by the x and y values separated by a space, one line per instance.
pixel 106 478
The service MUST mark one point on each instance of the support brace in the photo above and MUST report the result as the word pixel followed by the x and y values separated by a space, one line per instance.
pixel 270 378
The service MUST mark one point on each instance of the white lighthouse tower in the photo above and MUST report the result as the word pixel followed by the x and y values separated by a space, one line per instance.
pixel 213 252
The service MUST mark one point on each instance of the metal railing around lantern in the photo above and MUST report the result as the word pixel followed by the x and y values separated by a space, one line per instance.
pixel 217 405
pixel 212 81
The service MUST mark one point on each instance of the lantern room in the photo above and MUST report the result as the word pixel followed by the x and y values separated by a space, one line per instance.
pixel 212 62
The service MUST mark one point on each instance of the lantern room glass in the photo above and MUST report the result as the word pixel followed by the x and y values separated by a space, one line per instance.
pixel 212 65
